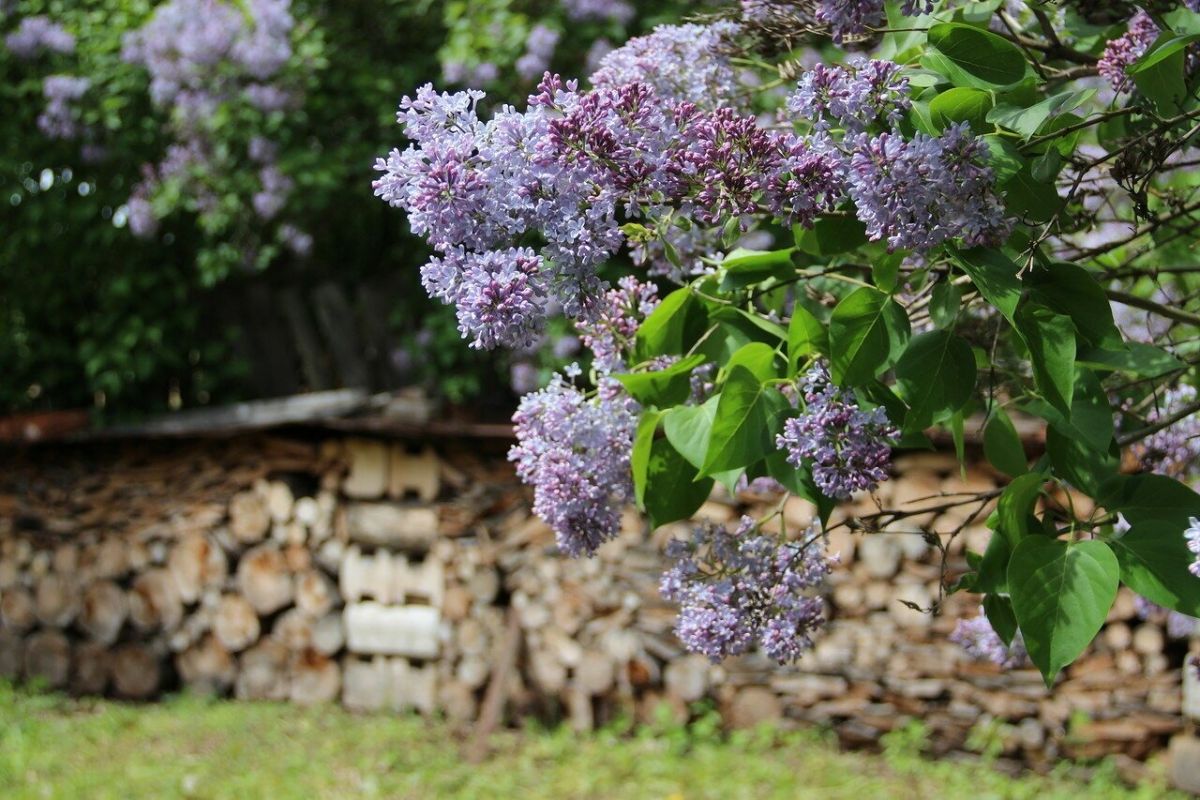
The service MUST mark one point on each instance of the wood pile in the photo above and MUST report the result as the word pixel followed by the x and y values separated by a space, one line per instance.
pixel 384 574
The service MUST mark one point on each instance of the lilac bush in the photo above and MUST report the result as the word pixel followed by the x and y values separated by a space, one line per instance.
pixel 980 642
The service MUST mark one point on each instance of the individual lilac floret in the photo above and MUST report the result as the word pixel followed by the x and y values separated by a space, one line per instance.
pixel 539 49
pixel 981 643
pixel 682 62
pixel 856 95
pixel 58 119
pixel 917 194
pixel 737 589
pixel 583 10
pixel 848 449
pixel 499 295
pixel 574 451
pixel 1173 451
pixel 1120 53
pixel 37 34
pixel 1191 535
pixel 610 335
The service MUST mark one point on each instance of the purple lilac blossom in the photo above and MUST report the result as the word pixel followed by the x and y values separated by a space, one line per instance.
pixel 499 295
pixel 851 18
pixel 609 336
pixel 296 240
pixel 808 180
pixel 856 95
pixel 58 119
pixel 523 377
pixel 37 34
pixel 273 192
pixel 981 643
pixel 1120 53
pixel 574 451
pixel 539 49
pixel 737 589
pixel 847 448
pixel 1173 451
pixel 916 194
pixel 618 11
pixel 682 63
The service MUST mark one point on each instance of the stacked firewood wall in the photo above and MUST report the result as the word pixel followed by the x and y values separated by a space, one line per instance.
pixel 390 576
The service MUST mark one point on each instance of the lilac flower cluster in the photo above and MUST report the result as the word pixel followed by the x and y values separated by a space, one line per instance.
pixel 851 18
pixel 583 10
pixel 499 294
pixel 201 54
pixel 37 34
pixel 682 63
pixel 856 95
pixel 610 334
pixel 737 589
pixel 1173 451
pixel 1120 53
pixel 918 193
pixel 912 193
pixel 58 119
pixel 539 49
pixel 846 447
pixel 981 643
pixel 198 52
pixel 574 451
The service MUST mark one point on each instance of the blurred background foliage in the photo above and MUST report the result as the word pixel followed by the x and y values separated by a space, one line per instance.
pixel 130 226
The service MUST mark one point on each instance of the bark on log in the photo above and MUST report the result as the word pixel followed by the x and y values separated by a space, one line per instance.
pixel 110 559
pixel 104 610
pixel 48 658
pixel 264 579
pixel 136 672
pixel 235 624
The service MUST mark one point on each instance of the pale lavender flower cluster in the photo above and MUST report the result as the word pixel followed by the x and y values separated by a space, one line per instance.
pixel 851 18
pixel 499 295
pixel 459 73
pixel 981 643
pixel 856 95
pixel 610 335
pixel 58 119
pixel 682 63
pixel 539 49
pixel 199 51
pixel 37 34
pixel 921 192
pixel 808 179
pixel 1120 53
pixel 201 54
pixel 737 589
pixel 1173 451
pixel 847 448
pixel 583 10
pixel 574 451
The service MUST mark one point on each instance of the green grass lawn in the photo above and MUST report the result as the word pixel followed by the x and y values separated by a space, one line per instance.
pixel 55 747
